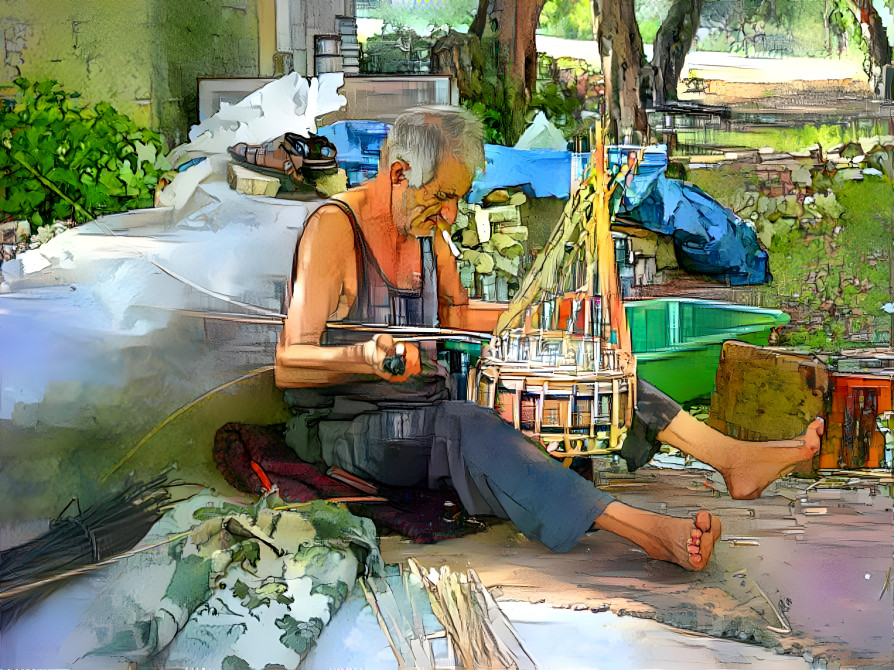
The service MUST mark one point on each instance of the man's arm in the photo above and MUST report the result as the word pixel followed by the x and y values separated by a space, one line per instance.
pixel 455 309
pixel 326 284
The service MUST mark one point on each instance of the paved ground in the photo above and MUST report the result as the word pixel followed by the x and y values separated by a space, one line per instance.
pixel 823 573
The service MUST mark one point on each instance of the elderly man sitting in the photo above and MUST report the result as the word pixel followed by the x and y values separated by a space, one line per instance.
pixel 371 256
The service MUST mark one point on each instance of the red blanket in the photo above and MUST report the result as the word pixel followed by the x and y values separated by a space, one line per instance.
pixel 422 515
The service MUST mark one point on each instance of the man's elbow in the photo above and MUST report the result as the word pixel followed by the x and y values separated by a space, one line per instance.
pixel 283 375
pixel 286 374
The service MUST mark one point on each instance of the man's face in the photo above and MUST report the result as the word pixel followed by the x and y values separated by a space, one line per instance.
pixel 435 204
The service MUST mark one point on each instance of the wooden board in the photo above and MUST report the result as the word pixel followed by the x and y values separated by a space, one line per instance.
pixel 251 183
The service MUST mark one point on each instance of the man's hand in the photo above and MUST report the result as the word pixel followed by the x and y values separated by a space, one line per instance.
pixel 383 346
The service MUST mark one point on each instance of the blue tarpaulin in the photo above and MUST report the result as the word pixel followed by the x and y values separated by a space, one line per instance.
pixel 709 238
pixel 540 173
pixel 358 144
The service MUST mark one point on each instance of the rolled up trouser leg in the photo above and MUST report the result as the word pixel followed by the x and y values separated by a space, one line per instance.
pixel 501 472
pixel 654 412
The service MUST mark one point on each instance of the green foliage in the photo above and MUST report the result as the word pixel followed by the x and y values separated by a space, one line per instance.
pixel 676 170
pixel 883 161
pixel 846 24
pixel 786 139
pixel 558 105
pixel 62 160
pixel 829 338
pixel 868 221
pixel 724 182
pixel 828 254
pixel 649 15
pixel 780 28
pixel 571 19
pixel 649 29
pixel 400 49
pixel 490 118
pixel 424 16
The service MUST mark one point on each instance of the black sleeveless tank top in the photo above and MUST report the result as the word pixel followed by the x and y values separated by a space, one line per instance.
pixel 380 303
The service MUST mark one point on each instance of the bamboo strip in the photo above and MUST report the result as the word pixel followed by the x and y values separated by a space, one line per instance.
pixel 614 432
pixel 374 606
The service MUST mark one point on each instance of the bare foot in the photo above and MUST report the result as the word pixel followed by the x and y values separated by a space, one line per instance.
pixel 700 537
pixel 701 542
pixel 754 467
pixel 685 542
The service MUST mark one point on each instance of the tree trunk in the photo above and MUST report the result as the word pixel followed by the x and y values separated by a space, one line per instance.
pixel 460 55
pixel 508 36
pixel 505 34
pixel 477 26
pixel 672 43
pixel 496 62
pixel 876 38
pixel 621 50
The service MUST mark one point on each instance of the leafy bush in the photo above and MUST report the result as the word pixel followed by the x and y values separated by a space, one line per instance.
pixel 490 118
pixel 62 160
pixel 559 106
pixel 828 251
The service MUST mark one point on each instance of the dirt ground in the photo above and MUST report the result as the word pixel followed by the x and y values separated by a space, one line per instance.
pixel 825 574
pixel 720 92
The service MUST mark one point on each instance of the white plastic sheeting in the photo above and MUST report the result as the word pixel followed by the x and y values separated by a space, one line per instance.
pixel 72 309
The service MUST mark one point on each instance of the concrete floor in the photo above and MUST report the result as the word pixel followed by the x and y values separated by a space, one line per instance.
pixel 824 573
pixel 594 640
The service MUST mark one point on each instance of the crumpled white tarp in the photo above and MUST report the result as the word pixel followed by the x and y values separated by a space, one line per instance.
pixel 289 104
pixel 542 134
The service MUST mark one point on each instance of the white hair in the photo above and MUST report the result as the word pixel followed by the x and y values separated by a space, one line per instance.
pixel 423 136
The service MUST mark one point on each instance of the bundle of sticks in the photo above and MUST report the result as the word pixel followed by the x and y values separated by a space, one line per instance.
pixel 31 571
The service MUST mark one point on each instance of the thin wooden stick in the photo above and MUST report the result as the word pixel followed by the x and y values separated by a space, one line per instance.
pixel 220 296
pixel 183 409
pixel 374 606
pixel 787 626
pixel 50 185
pixel 340 499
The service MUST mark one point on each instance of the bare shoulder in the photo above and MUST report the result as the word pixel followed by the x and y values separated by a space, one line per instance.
pixel 328 229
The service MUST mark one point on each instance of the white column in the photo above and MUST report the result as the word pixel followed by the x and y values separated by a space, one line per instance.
pixel 283 25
